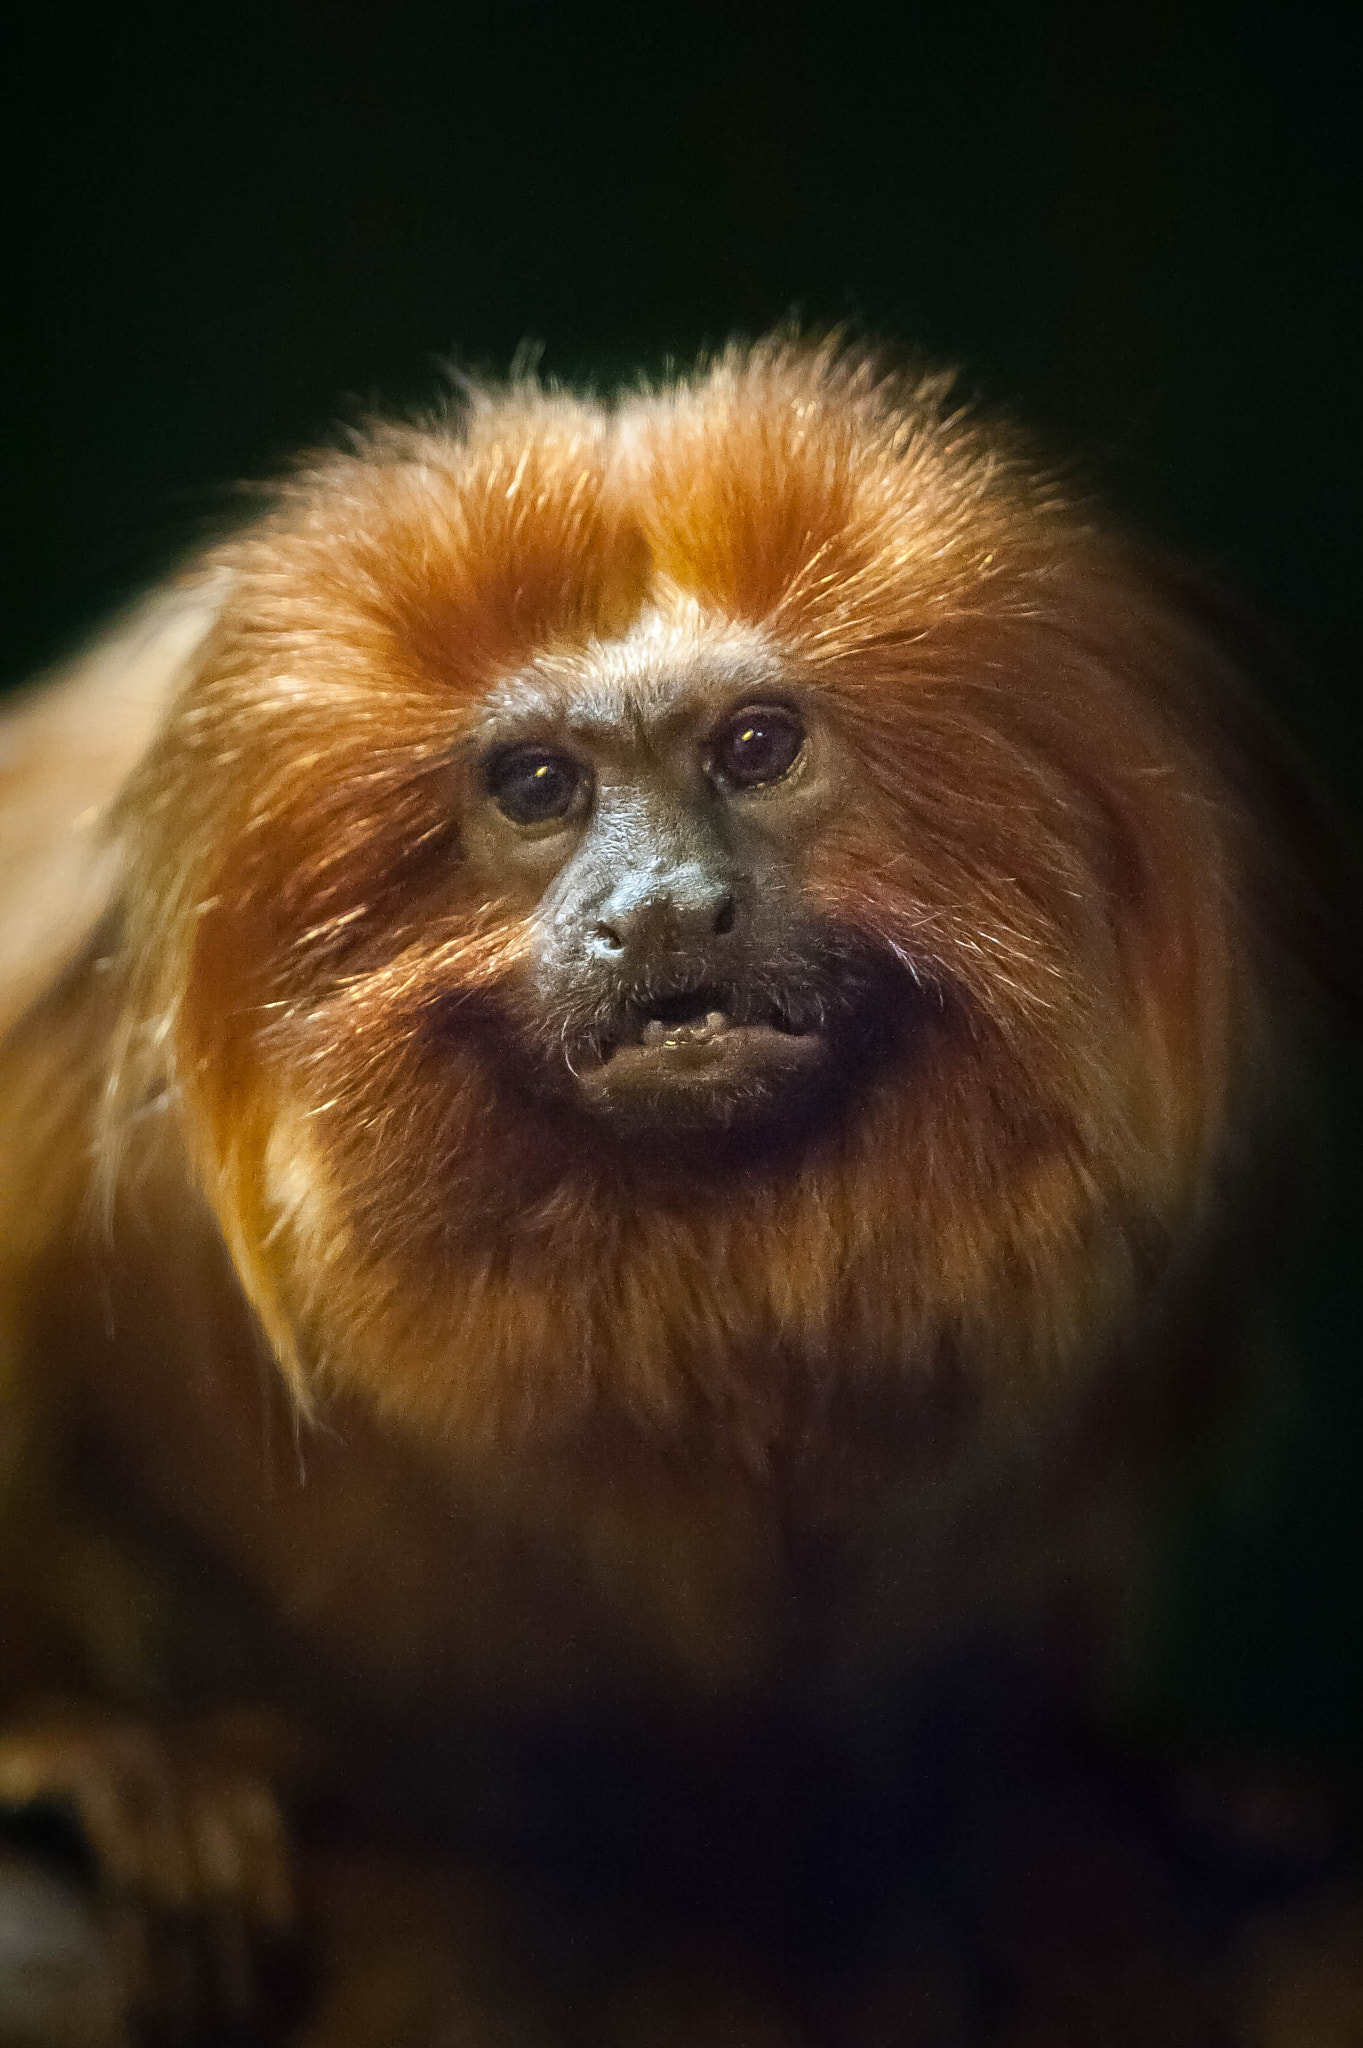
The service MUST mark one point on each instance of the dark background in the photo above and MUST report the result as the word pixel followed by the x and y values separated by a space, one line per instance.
pixel 1138 225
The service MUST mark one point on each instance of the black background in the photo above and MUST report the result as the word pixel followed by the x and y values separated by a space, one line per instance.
pixel 1136 224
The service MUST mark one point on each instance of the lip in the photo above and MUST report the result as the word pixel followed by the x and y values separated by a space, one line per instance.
pixel 693 1045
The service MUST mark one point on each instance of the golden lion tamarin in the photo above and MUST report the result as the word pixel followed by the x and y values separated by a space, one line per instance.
pixel 633 1031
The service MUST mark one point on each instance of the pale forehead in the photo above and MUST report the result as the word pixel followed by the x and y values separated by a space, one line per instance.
pixel 663 666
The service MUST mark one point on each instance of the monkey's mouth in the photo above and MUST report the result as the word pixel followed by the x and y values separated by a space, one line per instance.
pixel 709 1048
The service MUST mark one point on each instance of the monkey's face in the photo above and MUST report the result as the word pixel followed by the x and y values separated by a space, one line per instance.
pixel 654 811
pixel 598 795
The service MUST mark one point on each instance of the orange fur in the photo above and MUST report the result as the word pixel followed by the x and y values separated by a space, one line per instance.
pixel 598 1373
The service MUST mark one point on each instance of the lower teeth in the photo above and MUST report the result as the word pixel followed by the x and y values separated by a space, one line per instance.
pixel 656 1033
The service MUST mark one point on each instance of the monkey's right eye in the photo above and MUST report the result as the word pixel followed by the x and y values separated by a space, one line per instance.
pixel 533 785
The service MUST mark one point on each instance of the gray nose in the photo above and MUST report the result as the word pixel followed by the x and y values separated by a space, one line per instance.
pixel 668 913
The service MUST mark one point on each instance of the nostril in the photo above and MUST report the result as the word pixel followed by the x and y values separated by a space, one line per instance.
pixel 724 917
pixel 608 937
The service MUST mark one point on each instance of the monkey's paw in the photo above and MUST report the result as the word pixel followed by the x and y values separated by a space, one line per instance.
pixel 190 1858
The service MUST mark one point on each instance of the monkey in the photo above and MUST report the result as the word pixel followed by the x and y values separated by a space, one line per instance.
pixel 636 1034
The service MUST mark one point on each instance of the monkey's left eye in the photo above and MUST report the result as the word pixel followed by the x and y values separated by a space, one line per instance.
pixel 757 745
pixel 532 785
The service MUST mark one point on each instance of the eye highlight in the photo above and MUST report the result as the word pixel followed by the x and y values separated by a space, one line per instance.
pixel 535 785
pixel 758 745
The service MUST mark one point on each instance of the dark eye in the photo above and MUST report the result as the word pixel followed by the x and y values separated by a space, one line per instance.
pixel 533 785
pixel 760 744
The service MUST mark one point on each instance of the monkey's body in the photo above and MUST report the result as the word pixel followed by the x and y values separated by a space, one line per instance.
pixel 344 1560
pixel 634 1116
